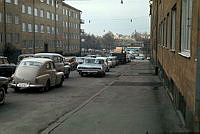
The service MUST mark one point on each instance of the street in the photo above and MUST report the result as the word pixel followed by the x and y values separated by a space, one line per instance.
pixel 129 99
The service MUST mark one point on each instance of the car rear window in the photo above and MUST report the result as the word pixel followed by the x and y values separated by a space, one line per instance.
pixel 30 63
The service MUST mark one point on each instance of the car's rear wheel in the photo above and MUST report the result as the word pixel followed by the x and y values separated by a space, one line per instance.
pixel 17 89
pixel 2 95
pixel 61 82
pixel 46 88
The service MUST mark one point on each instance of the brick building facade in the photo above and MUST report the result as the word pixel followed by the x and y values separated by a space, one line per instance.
pixel 175 42
pixel 40 26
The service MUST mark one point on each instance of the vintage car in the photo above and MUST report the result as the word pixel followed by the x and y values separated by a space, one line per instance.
pixel 36 73
pixel 3 89
pixel 58 61
pixel 22 56
pixel 6 68
pixel 105 62
pixel 92 66
pixel 112 61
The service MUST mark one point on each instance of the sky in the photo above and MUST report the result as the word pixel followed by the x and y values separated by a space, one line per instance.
pixel 111 15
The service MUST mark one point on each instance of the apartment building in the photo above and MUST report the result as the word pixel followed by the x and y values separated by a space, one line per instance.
pixel 175 42
pixel 40 26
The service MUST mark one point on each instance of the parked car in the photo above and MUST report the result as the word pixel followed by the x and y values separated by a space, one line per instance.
pixel 92 66
pixel 140 57
pixel 112 61
pixel 58 61
pixel 36 73
pixel 105 62
pixel 6 68
pixel 72 62
pixel 22 56
pixel 3 89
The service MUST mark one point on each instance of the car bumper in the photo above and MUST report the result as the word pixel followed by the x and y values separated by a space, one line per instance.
pixel 25 85
pixel 90 71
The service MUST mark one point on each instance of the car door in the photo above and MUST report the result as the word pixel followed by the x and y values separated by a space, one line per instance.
pixel 59 63
pixel 50 69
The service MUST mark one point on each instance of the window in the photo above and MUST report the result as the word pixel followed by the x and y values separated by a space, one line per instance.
pixel 1 37
pixel 36 12
pixel 52 2
pixel 0 17
pixel 48 29
pixel 164 33
pixel 23 9
pixel 36 28
pixel 41 0
pixel 186 25
pixel 9 37
pixel 41 13
pixel 48 2
pixel 17 37
pixel 16 19
pixel 66 24
pixel 173 32
pixel 53 30
pixel 8 1
pixel 63 11
pixel 48 15
pixel 16 2
pixel 66 12
pixel 23 27
pixel 52 16
pixel 9 18
pixel 56 17
pixel 168 31
pixel 42 28
pixel 29 27
pixel 30 10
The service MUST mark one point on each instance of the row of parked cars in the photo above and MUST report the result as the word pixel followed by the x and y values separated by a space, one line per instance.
pixel 46 70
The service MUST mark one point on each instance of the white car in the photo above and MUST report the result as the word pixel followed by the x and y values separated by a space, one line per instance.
pixel 36 73
pixel 92 66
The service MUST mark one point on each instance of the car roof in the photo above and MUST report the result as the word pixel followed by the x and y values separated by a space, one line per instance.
pixel 48 54
pixel 41 60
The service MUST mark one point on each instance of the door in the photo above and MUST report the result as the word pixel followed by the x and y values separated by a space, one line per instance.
pixel 46 48
pixel 50 68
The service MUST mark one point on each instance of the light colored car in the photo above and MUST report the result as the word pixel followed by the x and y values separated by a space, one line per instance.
pixel 112 61
pixel 92 66
pixel 58 61
pixel 36 73
pixel 140 57
pixel 105 62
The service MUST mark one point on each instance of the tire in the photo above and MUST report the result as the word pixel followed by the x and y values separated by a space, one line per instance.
pixel 103 74
pixel 82 74
pixel 46 88
pixel 66 75
pixel 2 96
pixel 61 82
pixel 17 89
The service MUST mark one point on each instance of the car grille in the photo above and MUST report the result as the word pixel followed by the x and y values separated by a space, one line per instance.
pixel 88 68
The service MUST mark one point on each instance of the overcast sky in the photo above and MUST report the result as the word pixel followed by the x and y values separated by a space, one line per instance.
pixel 111 15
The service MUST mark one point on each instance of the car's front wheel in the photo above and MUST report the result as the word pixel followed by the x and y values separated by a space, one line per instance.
pixel 47 87
pixel 2 95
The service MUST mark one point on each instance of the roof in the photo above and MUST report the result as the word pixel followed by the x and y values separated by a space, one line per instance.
pixel 41 60
pixel 48 54
pixel 65 4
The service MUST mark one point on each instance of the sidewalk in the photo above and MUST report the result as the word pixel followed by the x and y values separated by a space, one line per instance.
pixel 135 103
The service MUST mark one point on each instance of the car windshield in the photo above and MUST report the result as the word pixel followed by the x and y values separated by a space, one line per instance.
pixel 89 60
pixel 98 61
pixel 30 63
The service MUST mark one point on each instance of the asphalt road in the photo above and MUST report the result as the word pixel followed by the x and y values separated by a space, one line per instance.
pixel 30 111
pixel 128 100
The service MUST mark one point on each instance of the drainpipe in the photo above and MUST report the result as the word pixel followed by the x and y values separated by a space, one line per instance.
pixel 156 68
pixel 5 26
pixel 33 26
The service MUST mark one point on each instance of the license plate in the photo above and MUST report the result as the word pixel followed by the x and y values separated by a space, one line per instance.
pixel 23 85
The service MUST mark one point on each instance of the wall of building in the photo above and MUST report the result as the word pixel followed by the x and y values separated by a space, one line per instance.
pixel 177 68
pixel 53 36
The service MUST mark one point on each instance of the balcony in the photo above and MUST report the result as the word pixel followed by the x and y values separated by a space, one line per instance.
pixel 82 21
